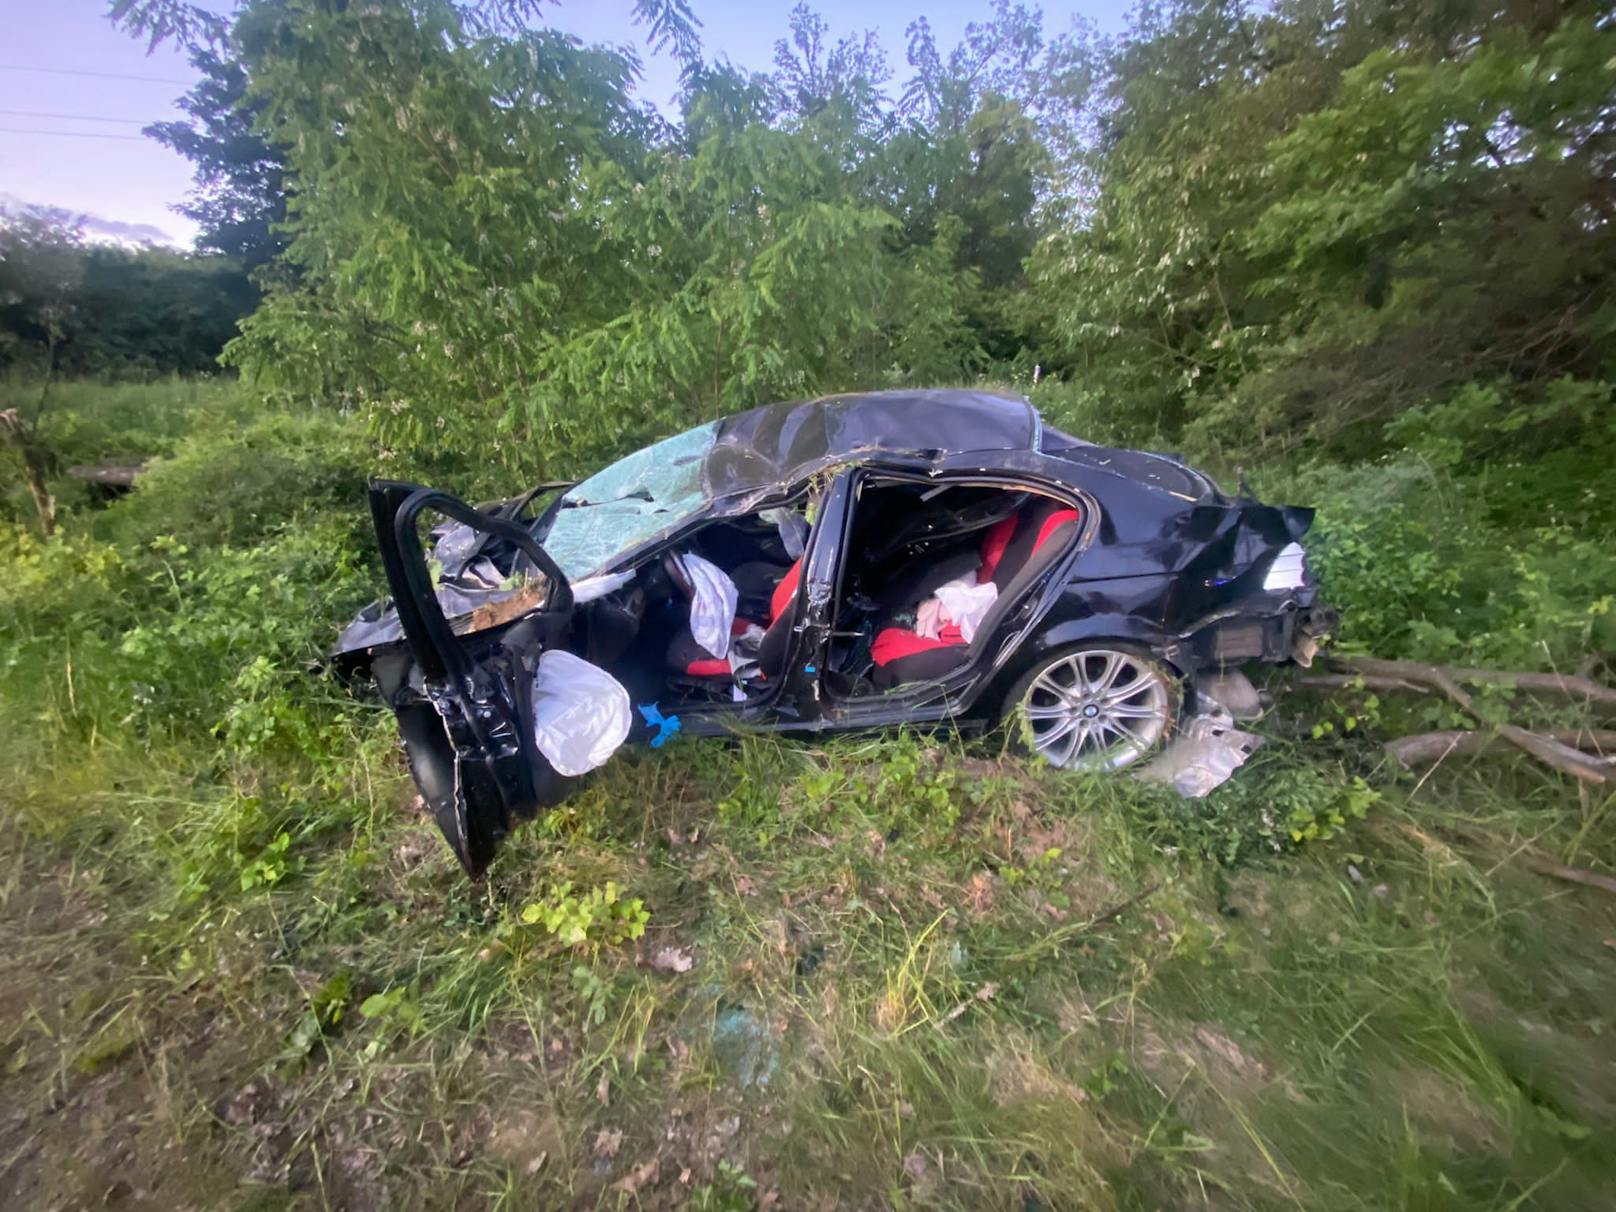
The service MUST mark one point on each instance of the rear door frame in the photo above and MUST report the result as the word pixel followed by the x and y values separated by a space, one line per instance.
pixel 957 692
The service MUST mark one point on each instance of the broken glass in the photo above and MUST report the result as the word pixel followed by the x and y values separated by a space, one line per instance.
pixel 635 499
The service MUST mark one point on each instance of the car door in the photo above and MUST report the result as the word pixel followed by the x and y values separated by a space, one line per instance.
pixel 464 701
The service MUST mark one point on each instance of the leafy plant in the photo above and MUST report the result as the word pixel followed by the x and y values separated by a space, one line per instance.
pixel 394 1010
pixel 591 918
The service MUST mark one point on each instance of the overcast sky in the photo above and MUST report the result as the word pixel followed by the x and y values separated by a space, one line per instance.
pixel 65 71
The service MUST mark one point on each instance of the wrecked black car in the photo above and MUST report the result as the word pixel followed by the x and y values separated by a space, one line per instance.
pixel 848 562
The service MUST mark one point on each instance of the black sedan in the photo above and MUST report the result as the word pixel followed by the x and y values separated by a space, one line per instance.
pixel 848 562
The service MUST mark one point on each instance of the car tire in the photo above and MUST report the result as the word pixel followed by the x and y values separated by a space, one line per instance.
pixel 1095 706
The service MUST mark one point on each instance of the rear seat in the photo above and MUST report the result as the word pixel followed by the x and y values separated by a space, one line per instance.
pixel 1013 552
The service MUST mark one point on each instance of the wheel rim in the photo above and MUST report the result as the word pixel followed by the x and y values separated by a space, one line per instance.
pixel 1096 710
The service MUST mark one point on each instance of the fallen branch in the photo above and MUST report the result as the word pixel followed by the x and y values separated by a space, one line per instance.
pixel 1422 678
pixel 1397 674
pixel 1355 681
pixel 1426 747
pixel 1576 875
pixel 1545 683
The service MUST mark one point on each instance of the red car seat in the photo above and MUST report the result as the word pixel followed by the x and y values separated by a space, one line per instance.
pixel 687 657
pixel 1013 551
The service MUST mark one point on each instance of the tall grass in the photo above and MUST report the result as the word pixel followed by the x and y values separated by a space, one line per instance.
pixel 240 969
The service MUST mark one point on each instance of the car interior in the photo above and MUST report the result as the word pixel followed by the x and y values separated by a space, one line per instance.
pixel 909 540
pixel 906 542
pixel 642 634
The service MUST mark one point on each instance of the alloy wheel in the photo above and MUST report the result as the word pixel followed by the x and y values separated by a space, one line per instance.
pixel 1097 709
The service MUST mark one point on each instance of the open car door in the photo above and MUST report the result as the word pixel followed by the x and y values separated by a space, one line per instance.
pixel 464 700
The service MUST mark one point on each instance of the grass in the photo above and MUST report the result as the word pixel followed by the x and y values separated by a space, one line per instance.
pixel 238 969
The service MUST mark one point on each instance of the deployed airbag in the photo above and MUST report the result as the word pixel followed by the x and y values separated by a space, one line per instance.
pixel 713 600
pixel 580 713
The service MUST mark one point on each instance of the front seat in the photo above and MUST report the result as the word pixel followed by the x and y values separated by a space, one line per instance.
pixel 757 584
pixel 1014 552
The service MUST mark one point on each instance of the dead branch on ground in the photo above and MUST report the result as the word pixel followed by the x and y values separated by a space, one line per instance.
pixel 1576 875
pixel 1426 747
pixel 1550 748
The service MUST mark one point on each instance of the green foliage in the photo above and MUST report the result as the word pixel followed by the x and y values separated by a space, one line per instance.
pixel 585 918
pixel 1421 568
pixel 326 1010
pixel 1293 247
pixel 270 867
pixel 90 420
pixel 230 482
pixel 394 1010
pixel 962 978
pixel 75 308
pixel 502 226
pixel 1279 801
pixel 733 1191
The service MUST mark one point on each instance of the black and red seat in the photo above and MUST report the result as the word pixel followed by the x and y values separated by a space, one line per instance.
pixel 756 583
pixel 1013 552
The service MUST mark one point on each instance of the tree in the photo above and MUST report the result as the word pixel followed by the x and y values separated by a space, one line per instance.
pixel 40 270
pixel 1441 225
pixel 153 311
pixel 239 200
pixel 813 75
pixel 1298 236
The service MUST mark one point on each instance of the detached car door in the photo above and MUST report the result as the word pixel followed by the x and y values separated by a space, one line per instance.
pixel 464 702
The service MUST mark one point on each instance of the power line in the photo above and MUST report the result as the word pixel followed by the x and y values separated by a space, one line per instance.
pixel 35 113
pixel 73 71
pixel 69 134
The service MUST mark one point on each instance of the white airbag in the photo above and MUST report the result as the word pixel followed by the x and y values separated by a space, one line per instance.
pixel 580 713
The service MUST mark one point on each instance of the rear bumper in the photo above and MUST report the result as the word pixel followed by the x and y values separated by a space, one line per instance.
pixel 1291 633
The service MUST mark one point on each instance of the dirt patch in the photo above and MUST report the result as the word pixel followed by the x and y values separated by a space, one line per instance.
pixel 1232 1069
pixel 529 1140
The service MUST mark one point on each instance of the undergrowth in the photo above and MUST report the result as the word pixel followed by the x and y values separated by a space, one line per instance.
pixel 896 971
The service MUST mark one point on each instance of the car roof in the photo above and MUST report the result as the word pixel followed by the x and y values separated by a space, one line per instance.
pixel 782 444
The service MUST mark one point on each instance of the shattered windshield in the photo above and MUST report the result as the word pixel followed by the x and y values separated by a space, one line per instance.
pixel 633 500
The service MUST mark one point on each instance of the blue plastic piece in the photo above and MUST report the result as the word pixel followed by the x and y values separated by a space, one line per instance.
pixel 810 668
pixel 666 725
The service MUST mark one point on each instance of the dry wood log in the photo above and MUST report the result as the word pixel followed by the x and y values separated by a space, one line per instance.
pixel 115 473
pixel 1435 679
pixel 1576 875
pixel 1355 681
pixel 1570 685
pixel 1545 683
pixel 1551 753
pixel 1427 747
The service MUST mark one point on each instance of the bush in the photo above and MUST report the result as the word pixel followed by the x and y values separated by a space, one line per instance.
pixel 1420 568
pixel 228 484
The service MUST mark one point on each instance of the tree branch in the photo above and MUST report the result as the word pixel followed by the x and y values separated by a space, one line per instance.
pixel 1435 679
pixel 1426 747
pixel 1378 674
pixel 1576 875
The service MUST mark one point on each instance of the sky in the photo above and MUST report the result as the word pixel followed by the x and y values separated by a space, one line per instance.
pixel 65 71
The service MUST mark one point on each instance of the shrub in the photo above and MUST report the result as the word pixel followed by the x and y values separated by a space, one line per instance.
pixel 1420 569
pixel 227 484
